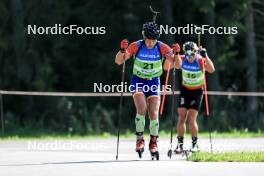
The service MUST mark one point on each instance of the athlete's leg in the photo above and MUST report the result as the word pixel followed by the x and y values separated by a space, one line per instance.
pixel 183 106
pixel 181 127
pixel 153 112
pixel 141 106
pixel 140 103
pixel 153 104
pixel 192 118
pixel 195 104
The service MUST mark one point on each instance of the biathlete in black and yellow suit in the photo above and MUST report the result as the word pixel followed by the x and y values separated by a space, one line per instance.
pixel 145 81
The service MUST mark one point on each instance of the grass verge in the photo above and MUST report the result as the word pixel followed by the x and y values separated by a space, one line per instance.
pixel 227 157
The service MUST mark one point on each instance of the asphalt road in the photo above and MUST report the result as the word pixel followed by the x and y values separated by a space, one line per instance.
pixel 97 157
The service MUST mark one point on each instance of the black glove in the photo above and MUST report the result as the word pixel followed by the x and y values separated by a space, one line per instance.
pixel 203 52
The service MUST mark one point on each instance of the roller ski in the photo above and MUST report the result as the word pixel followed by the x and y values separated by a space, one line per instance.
pixel 187 153
pixel 179 148
pixel 180 151
pixel 194 149
pixel 153 148
pixel 140 147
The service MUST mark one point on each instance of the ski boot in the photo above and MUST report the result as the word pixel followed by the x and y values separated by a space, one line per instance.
pixel 194 148
pixel 140 144
pixel 153 147
pixel 179 148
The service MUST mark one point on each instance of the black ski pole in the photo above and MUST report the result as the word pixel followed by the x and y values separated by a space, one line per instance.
pixel 172 109
pixel 206 96
pixel 120 105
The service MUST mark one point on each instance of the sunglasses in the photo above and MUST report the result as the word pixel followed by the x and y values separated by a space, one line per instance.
pixel 190 52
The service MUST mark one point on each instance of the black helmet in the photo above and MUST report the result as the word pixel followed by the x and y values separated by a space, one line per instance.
pixel 190 46
pixel 151 30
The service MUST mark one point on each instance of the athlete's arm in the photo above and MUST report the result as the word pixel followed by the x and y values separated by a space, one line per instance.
pixel 209 66
pixel 167 52
pixel 121 57
pixel 168 61
pixel 175 58
pixel 176 50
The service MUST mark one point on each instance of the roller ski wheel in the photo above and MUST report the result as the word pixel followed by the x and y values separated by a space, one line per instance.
pixel 140 152
pixel 155 155
pixel 187 153
pixel 140 147
pixel 153 148
pixel 177 152
pixel 183 153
